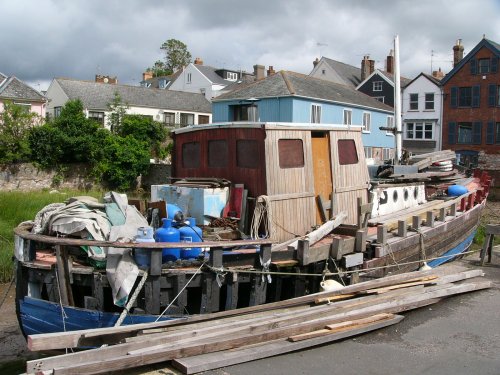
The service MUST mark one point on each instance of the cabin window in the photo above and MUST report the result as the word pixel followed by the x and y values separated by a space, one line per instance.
pixel 315 114
pixel 217 153
pixel 247 153
pixel 347 152
pixel 291 153
pixel 191 155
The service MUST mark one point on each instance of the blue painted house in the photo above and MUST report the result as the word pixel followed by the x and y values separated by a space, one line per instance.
pixel 297 98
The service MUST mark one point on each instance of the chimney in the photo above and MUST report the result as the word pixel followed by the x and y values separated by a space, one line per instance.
pixel 198 61
pixel 270 71
pixel 367 67
pixel 258 72
pixel 106 79
pixel 458 52
pixel 438 74
pixel 147 75
pixel 389 63
pixel 315 62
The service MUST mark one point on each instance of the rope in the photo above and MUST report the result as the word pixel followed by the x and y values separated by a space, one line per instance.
pixel 180 292
pixel 262 211
pixel 132 299
pixel 63 313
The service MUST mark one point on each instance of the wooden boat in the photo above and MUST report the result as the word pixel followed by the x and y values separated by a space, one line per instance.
pixel 313 208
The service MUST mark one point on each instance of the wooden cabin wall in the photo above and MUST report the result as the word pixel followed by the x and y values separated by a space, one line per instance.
pixel 253 178
pixel 349 181
pixel 291 190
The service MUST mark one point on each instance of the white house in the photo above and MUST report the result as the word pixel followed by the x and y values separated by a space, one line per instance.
pixel 210 81
pixel 173 108
pixel 422 114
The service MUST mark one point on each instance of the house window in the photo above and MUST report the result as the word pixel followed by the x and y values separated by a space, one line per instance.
pixel 465 132
pixel 377 86
pixel 203 119
pixel 57 111
pixel 162 83
pixel 465 97
pixel 291 153
pixel 218 153
pixel 187 119
pixel 323 71
pixel 231 76
pixel 368 152
pixel 347 117
pixel 315 114
pixel 97 116
pixel 419 130
pixel 429 101
pixel 347 152
pixel 390 124
pixel 188 78
pixel 413 102
pixel 386 153
pixel 245 112
pixel 247 153
pixel 367 121
pixel 484 66
pixel 191 155
pixel 169 118
pixel 24 107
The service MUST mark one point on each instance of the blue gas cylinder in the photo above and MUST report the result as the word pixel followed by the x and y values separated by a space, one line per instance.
pixel 167 233
pixel 456 190
pixel 190 233
pixel 174 213
pixel 143 256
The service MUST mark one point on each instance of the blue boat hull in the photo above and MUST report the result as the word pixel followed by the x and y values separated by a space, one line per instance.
pixel 40 316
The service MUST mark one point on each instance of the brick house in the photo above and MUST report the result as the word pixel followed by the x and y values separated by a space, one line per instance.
pixel 471 106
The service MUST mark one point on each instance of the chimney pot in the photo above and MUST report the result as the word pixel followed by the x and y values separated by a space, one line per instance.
pixel 258 71
pixel 270 71
pixel 458 52
pixel 147 75
pixel 198 61
pixel 367 67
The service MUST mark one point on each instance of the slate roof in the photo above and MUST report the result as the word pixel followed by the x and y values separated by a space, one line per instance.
pixel 286 83
pixel 155 81
pixel 14 89
pixel 350 74
pixel 97 96
pixel 402 80
pixel 209 72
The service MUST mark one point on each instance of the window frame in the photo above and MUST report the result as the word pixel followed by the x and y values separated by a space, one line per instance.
pixel 486 64
pixel 57 111
pixel 99 118
pixel 467 139
pixel 367 125
pixel 421 127
pixel 187 116
pixel 429 102
pixel 465 97
pixel 413 102
pixel 497 133
pixel 166 115
pixel 349 117
pixel 377 86
pixel 188 77
pixel 389 122
pixel 291 153
pixel 316 113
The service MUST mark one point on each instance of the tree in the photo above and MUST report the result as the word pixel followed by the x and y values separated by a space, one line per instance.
pixel 159 69
pixel 176 55
pixel 117 111
pixel 15 125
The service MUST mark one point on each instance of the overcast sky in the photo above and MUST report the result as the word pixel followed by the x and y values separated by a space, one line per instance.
pixel 43 39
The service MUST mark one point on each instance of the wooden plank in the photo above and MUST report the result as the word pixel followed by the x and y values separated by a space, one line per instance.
pixel 61 340
pixel 360 242
pixel 342 246
pixel 210 361
pixel 307 255
pixel 170 351
pixel 63 276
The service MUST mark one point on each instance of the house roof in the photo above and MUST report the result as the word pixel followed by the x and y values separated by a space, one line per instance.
pixel 388 77
pixel 286 83
pixel 154 82
pixel 350 74
pixel 14 89
pixel 210 73
pixel 99 95
pixel 493 46
pixel 434 80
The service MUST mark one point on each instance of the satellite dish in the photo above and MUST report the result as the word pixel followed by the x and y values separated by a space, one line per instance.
pixel 105 79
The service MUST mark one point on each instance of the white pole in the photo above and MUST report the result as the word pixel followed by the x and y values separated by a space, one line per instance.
pixel 397 100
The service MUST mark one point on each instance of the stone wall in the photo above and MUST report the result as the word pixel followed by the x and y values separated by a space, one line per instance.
pixel 27 177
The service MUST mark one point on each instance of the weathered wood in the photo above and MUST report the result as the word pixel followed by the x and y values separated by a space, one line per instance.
pixel 402 228
pixel 416 221
pixel 453 209
pixel 429 221
pixel 382 234
pixel 63 276
pixel 210 361
pixel 169 351
pixel 360 242
pixel 152 295
pixel 232 292
pixel 342 246
pixel 322 231
pixel 109 335
pixel 442 214
pixel 307 255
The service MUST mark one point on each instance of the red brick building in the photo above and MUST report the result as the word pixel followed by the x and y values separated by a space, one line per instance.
pixel 471 106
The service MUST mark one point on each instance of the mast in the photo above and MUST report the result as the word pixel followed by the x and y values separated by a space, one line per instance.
pixel 397 101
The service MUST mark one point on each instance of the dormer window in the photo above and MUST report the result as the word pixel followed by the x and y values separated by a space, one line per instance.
pixel 231 76
pixel 377 86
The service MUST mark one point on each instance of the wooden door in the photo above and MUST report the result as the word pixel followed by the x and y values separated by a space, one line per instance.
pixel 323 184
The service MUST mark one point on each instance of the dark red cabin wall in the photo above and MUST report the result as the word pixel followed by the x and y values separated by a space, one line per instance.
pixel 253 179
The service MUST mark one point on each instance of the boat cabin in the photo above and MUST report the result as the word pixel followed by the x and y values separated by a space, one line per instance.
pixel 290 167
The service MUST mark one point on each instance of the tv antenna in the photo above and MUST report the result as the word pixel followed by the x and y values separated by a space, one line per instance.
pixel 319 44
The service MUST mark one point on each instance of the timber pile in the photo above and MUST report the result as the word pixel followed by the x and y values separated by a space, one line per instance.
pixel 209 341
pixel 426 160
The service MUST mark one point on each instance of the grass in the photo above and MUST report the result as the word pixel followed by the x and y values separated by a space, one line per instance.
pixel 16 207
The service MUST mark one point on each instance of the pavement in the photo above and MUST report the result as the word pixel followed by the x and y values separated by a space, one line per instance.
pixel 459 335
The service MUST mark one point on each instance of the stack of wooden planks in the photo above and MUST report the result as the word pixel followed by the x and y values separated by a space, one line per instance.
pixel 209 341
pixel 423 161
